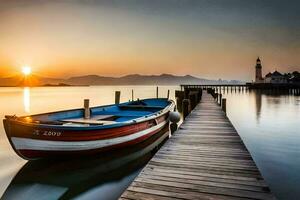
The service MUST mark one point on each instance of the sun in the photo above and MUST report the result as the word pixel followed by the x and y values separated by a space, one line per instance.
pixel 26 70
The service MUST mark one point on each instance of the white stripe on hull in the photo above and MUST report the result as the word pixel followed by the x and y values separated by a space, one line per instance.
pixel 46 145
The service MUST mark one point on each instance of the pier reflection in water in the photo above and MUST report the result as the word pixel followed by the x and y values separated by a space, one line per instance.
pixel 105 176
pixel 268 122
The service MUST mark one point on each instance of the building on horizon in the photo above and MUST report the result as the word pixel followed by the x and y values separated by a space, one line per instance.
pixel 274 78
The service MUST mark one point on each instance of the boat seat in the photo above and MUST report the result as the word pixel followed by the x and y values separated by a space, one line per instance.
pixel 97 120
pixel 89 121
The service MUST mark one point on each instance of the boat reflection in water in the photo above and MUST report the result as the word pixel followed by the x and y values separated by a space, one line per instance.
pixel 104 176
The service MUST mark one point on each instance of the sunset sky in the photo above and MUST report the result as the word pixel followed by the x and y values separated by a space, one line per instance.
pixel 205 38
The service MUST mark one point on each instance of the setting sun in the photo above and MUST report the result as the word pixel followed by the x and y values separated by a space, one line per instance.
pixel 26 70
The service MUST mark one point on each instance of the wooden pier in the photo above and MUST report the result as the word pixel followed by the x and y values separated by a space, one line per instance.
pixel 218 86
pixel 204 159
pixel 291 88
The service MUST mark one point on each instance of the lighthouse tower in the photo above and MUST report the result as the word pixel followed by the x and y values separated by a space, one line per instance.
pixel 258 72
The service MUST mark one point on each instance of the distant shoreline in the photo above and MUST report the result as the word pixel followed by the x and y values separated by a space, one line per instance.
pixel 132 79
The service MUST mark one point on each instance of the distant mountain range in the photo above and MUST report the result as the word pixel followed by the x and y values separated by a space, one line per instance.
pixel 133 79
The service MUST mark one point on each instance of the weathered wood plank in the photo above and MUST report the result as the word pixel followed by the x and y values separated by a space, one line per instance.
pixel 204 173
pixel 206 176
pixel 206 189
pixel 197 181
pixel 163 192
pixel 180 193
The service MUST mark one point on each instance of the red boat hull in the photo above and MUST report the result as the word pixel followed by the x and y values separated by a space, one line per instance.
pixel 31 142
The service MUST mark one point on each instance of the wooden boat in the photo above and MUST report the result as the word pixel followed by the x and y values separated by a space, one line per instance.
pixel 68 133
pixel 65 177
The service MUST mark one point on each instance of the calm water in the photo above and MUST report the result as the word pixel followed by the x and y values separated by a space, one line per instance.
pixel 110 179
pixel 268 124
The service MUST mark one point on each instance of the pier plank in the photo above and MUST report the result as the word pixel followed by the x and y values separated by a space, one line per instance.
pixel 204 159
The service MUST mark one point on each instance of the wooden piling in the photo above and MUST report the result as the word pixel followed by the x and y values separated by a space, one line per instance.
pixel 208 90
pixel 179 95
pixel 220 99
pixel 185 108
pixel 157 92
pixel 216 97
pixel 186 93
pixel 132 97
pixel 117 97
pixel 86 106
pixel 199 95
pixel 173 127
pixel 224 105
pixel 193 100
pixel 168 94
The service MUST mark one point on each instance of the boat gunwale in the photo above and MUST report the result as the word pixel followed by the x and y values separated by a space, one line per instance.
pixel 144 118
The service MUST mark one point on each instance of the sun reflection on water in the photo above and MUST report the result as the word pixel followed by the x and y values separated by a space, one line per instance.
pixel 26 99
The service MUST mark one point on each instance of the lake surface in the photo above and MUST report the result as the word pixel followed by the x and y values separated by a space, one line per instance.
pixel 62 180
pixel 268 124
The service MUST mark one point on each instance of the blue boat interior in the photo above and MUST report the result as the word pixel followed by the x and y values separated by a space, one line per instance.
pixel 103 115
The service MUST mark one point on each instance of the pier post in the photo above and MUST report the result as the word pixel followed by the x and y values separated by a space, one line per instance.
pixel 86 105
pixel 179 95
pixel 157 92
pixel 186 93
pixel 185 108
pixel 173 127
pixel 209 90
pixel 168 94
pixel 132 97
pixel 199 95
pixel 220 100
pixel 224 105
pixel 193 100
pixel 117 97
